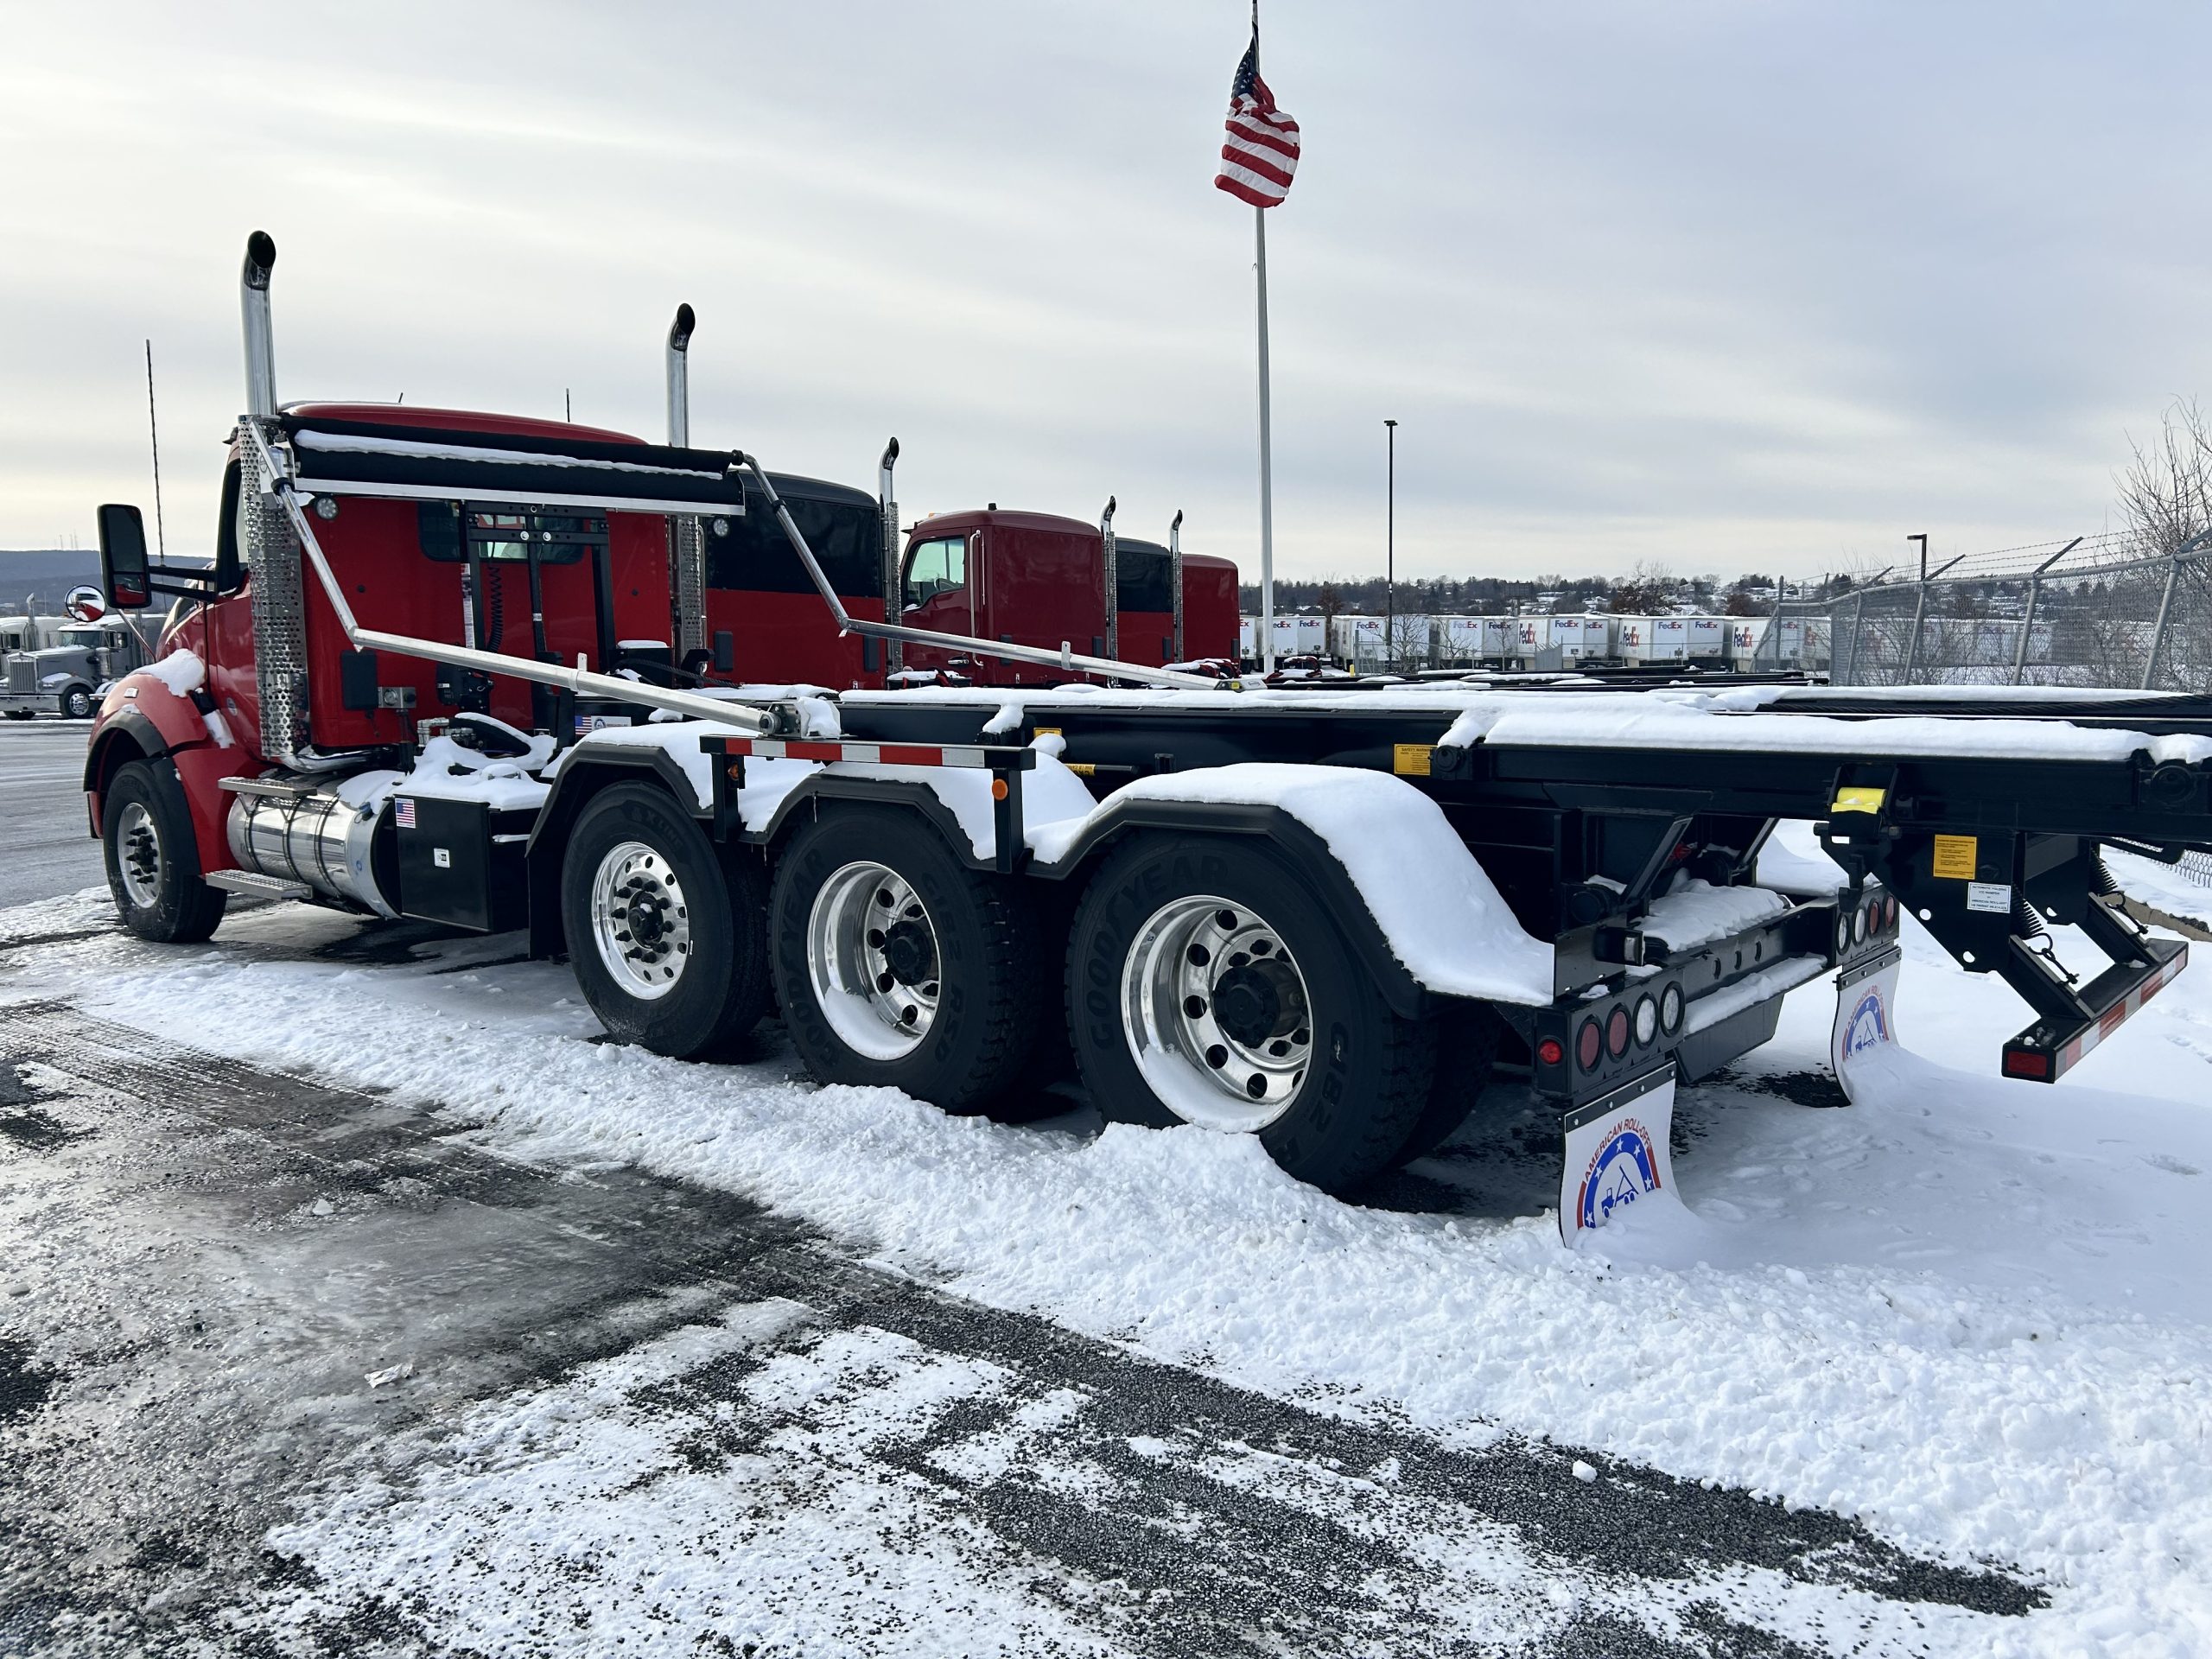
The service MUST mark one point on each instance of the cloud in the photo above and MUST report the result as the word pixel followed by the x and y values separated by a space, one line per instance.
pixel 1726 284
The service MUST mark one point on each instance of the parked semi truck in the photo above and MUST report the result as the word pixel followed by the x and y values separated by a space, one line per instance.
pixel 67 661
pixel 1326 920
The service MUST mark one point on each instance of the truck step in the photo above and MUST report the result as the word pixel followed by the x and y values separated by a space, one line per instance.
pixel 289 787
pixel 257 886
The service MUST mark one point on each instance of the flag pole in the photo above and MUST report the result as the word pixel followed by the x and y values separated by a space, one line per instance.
pixel 1267 464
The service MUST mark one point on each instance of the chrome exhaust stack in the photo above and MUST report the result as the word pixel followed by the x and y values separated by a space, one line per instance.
pixel 686 541
pixel 887 505
pixel 260 336
pixel 1175 579
pixel 679 376
pixel 279 599
pixel 1113 564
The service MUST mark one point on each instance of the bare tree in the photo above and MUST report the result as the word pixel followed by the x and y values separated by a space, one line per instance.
pixel 2165 500
pixel 1647 590
pixel 2165 489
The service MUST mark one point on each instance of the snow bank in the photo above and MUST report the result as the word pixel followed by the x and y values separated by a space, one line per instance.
pixel 1438 910
pixel 1970 1313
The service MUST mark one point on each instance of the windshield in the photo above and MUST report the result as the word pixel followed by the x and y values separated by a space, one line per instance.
pixel 91 638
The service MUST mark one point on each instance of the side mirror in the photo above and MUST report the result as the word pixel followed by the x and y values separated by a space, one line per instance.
pixel 123 559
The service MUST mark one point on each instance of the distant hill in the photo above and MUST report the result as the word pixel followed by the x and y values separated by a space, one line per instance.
pixel 44 574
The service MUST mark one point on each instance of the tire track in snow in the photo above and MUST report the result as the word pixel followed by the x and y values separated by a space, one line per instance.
pixel 1155 1509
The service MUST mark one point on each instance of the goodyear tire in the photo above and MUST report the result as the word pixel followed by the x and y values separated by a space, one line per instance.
pixel 898 965
pixel 153 856
pixel 1206 984
pixel 1467 1038
pixel 666 936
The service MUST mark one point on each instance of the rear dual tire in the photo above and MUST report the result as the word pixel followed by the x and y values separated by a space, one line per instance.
pixel 1208 984
pixel 897 965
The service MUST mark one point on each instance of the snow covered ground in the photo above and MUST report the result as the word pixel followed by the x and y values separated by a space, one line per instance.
pixel 1973 1316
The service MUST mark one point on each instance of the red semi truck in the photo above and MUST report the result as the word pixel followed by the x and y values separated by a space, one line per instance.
pixel 1324 920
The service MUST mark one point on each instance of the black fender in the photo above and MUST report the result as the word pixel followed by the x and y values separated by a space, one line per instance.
pixel 581 777
pixel 1305 852
pixel 804 802
pixel 111 748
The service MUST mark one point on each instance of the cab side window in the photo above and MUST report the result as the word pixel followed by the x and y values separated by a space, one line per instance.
pixel 936 566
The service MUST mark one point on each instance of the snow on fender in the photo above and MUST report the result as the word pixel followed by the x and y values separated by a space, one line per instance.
pixel 1613 1156
pixel 1437 909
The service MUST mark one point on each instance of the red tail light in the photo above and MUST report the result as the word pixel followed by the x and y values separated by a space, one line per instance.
pixel 2027 1063
pixel 1549 1052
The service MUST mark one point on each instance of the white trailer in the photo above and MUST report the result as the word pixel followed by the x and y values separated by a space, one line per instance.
pixel 1644 640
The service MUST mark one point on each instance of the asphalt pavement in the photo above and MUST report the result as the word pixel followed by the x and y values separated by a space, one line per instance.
pixel 239 1307
pixel 44 847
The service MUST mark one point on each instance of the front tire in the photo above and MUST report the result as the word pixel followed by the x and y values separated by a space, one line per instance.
pixel 899 966
pixel 664 936
pixel 1208 985
pixel 77 703
pixel 153 857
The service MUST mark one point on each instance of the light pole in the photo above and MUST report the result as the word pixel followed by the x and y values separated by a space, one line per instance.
pixel 1390 547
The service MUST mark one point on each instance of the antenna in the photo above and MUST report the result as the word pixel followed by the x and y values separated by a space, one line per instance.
pixel 153 428
pixel 568 407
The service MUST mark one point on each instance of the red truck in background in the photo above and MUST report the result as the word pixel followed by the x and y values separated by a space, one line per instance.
pixel 1037 579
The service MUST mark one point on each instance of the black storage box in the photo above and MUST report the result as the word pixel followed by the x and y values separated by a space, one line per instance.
pixel 461 863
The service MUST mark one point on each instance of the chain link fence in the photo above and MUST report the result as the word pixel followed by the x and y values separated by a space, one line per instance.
pixel 2095 611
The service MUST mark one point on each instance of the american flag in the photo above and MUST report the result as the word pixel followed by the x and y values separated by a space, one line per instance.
pixel 403 813
pixel 1262 153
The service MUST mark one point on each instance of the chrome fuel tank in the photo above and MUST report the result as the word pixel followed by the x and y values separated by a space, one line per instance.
pixel 318 832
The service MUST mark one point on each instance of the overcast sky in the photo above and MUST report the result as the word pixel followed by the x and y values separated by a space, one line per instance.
pixel 1731 285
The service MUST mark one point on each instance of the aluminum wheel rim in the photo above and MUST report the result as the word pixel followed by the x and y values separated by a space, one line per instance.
pixel 138 856
pixel 872 954
pixel 1216 1014
pixel 640 922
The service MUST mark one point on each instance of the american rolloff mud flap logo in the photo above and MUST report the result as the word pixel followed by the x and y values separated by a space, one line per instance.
pixel 1613 1154
pixel 1865 1016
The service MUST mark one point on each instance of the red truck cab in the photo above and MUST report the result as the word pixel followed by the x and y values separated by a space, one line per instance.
pixel 403 566
pixel 1037 579
pixel 759 593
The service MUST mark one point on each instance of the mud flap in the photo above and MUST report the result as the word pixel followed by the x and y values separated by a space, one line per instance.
pixel 1613 1154
pixel 1865 1031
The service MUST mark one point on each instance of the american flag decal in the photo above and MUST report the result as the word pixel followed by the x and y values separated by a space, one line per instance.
pixel 403 813
pixel 1261 151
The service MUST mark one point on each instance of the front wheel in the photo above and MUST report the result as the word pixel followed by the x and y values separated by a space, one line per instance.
pixel 153 857
pixel 77 703
pixel 1208 985
pixel 664 936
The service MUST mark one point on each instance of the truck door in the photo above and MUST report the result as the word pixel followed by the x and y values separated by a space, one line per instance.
pixel 939 590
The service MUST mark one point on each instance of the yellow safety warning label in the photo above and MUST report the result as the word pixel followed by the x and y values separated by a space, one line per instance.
pixel 1955 857
pixel 1411 760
